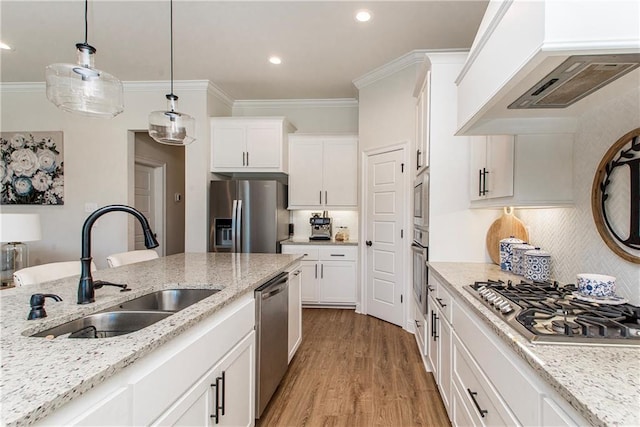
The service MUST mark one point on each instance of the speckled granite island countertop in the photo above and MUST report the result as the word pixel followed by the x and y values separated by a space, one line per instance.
pixel 39 375
pixel 601 382
pixel 303 241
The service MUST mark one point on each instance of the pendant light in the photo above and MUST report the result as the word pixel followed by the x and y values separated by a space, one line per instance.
pixel 171 127
pixel 81 88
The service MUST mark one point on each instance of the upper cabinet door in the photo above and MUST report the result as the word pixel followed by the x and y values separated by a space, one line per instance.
pixel 340 160
pixel 305 172
pixel 228 145
pixel 264 145
pixel 491 167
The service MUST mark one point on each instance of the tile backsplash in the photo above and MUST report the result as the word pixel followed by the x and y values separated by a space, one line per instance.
pixel 570 234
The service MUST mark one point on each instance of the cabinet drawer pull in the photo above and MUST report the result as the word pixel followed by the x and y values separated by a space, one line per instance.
pixel 337 254
pixel 247 158
pixel 316 271
pixel 320 196
pixel 484 181
pixel 326 199
pixel 296 273
pixel 322 271
pixel 473 395
pixel 417 324
pixel 479 182
pixel 244 162
pixel 440 302
pixel 435 327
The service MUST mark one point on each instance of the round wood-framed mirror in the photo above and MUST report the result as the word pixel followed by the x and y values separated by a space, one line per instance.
pixel 615 197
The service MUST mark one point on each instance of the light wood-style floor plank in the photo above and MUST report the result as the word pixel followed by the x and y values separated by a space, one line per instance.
pixel 354 371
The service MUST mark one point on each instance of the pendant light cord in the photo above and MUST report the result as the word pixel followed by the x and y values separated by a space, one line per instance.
pixel 86 24
pixel 171 42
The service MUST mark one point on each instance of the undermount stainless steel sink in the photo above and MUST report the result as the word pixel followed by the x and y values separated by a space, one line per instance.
pixel 167 300
pixel 106 324
pixel 130 316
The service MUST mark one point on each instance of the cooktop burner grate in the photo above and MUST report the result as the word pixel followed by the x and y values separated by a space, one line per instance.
pixel 548 312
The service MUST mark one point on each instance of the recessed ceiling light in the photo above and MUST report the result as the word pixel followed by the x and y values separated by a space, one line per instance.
pixel 5 46
pixel 275 60
pixel 363 16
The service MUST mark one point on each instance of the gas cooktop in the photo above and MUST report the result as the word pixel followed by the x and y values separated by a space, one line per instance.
pixel 546 312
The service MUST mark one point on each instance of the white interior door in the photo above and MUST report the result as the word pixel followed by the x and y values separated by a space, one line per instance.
pixel 149 198
pixel 385 212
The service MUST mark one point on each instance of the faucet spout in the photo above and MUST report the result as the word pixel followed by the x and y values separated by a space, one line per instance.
pixel 86 286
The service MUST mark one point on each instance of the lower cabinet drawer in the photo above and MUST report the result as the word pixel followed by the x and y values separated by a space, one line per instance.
pixel 478 395
pixel 310 253
pixel 338 253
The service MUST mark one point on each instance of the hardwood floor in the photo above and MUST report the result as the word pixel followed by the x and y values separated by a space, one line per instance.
pixel 353 370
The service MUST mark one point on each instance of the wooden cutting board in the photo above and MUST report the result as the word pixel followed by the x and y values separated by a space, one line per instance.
pixel 505 226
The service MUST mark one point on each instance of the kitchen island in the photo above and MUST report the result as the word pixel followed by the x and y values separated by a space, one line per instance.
pixel 601 383
pixel 40 375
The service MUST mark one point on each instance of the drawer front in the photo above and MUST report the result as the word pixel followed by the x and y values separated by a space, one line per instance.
pixel 421 327
pixel 445 302
pixel 479 396
pixel 432 286
pixel 338 253
pixel 498 366
pixel 310 252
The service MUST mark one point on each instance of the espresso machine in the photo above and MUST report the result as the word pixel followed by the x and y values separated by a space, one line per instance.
pixel 320 226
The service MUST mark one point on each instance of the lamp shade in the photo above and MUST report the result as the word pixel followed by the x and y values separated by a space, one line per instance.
pixel 171 127
pixel 83 89
pixel 19 227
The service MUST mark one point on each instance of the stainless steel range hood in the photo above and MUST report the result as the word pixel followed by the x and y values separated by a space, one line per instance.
pixel 575 78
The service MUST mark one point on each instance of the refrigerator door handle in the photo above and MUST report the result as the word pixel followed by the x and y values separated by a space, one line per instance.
pixel 234 237
pixel 239 226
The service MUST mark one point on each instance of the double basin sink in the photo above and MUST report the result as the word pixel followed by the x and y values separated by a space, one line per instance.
pixel 130 316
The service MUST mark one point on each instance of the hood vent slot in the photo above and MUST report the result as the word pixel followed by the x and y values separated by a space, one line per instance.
pixel 576 78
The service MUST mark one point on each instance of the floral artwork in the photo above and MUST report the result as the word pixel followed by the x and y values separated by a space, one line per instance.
pixel 31 168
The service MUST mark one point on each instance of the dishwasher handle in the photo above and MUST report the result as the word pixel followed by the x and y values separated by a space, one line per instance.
pixel 274 286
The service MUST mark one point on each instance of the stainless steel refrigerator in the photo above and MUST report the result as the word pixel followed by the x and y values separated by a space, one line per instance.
pixel 247 216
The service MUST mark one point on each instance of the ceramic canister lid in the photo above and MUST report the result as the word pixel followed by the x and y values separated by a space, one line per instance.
pixel 511 239
pixel 523 246
pixel 538 252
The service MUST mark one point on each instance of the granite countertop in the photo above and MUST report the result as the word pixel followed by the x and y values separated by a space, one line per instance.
pixel 39 375
pixel 601 382
pixel 306 241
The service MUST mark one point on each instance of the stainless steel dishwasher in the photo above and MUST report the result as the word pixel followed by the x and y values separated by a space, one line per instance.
pixel 272 325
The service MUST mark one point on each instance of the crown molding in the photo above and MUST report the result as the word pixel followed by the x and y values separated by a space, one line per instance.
pixel 217 92
pixel 295 103
pixel 412 58
pixel 154 86
pixel 24 87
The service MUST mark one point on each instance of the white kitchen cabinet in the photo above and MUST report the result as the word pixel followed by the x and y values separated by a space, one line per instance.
pixel 422 93
pixel 328 273
pixel 323 172
pixel 482 382
pixel 249 144
pixel 181 369
pixel 223 396
pixel 491 166
pixel 439 326
pixel 420 324
pixel 528 170
pixel 295 309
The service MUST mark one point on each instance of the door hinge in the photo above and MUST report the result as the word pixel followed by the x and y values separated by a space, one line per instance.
pixel 401 167
pixel 400 298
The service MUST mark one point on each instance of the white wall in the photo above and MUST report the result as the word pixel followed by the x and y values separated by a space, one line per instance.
pixel 308 116
pixel 98 160
pixel 570 234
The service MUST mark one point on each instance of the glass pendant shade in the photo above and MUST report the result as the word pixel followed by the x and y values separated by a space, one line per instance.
pixel 83 89
pixel 171 127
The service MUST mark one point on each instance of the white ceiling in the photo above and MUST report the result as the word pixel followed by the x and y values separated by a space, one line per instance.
pixel 228 42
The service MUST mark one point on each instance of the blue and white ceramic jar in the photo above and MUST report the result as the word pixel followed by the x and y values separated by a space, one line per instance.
pixel 537 265
pixel 517 259
pixel 506 252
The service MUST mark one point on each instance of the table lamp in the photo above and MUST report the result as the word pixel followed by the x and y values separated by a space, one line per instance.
pixel 14 230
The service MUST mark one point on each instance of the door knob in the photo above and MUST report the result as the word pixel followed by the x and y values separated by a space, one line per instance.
pixel 368 243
